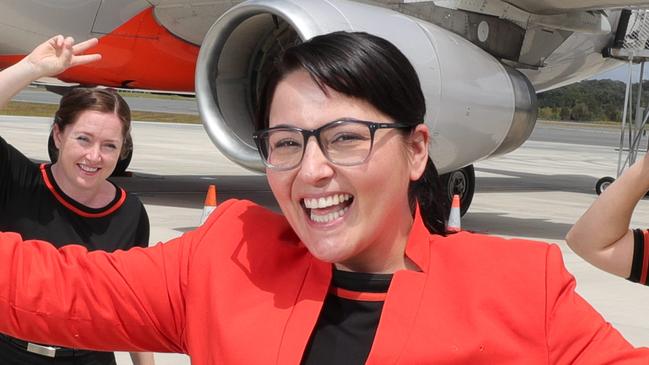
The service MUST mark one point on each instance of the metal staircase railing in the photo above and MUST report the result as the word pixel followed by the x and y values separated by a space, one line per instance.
pixel 632 46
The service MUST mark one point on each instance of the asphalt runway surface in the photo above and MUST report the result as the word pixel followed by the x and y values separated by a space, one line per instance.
pixel 536 192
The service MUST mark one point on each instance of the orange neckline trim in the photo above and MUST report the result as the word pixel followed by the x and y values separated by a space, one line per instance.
pixel 360 296
pixel 76 210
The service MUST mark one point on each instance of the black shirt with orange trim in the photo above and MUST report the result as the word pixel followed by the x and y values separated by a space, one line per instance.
pixel 348 320
pixel 32 204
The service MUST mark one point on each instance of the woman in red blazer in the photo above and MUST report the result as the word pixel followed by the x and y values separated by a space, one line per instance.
pixel 358 269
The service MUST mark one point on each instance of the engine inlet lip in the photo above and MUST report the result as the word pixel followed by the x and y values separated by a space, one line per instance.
pixel 207 72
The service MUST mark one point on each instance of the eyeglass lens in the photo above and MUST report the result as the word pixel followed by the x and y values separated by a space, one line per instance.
pixel 345 143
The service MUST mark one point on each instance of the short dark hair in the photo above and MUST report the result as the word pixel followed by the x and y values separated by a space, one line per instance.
pixel 81 99
pixel 372 69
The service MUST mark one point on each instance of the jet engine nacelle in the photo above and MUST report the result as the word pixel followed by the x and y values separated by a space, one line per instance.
pixel 476 106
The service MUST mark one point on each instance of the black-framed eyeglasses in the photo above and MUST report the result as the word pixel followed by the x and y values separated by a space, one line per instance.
pixel 345 142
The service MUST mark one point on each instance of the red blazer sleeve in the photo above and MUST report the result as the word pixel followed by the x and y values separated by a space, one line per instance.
pixel 126 300
pixel 576 333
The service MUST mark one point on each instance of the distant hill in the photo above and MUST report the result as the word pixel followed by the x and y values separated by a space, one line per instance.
pixel 590 100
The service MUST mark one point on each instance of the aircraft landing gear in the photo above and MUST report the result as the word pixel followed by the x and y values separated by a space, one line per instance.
pixel 603 184
pixel 120 168
pixel 461 182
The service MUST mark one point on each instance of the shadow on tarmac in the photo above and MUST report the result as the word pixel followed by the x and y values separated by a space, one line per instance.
pixel 187 191
pixel 516 227
pixel 515 181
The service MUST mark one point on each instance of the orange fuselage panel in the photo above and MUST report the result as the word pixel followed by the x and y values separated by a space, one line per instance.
pixel 139 54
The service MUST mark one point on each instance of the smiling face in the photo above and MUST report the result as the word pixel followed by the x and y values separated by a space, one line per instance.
pixel 357 217
pixel 88 152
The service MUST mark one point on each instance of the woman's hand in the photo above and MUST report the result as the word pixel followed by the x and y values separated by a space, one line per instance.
pixel 50 58
pixel 58 54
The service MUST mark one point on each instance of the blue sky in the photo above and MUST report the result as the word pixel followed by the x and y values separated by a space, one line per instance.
pixel 621 73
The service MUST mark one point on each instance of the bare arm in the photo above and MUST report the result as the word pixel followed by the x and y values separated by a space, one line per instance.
pixel 48 59
pixel 602 236
pixel 142 358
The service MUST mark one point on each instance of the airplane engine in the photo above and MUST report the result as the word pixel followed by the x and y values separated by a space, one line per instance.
pixel 476 106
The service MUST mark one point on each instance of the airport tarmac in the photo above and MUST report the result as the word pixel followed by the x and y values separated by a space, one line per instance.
pixel 536 192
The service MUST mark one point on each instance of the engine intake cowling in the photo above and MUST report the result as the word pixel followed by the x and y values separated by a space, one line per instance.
pixel 476 106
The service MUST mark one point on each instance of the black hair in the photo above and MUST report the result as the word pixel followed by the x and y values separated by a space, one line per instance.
pixel 370 68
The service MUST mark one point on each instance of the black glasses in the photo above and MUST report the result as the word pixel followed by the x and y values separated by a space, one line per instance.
pixel 345 142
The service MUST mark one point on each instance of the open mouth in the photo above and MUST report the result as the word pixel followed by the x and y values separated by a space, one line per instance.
pixel 327 209
pixel 88 169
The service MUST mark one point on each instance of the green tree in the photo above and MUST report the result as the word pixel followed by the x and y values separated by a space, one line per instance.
pixel 611 113
pixel 580 112
pixel 564 114
pixel 548 113
pixel 587 100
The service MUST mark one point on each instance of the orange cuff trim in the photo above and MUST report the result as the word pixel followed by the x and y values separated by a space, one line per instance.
pixel 76 210
pixel 360 296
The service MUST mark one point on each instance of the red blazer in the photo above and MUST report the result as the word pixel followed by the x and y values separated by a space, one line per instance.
pixel 242 289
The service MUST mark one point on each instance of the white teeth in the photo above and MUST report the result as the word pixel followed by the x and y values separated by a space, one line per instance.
pixel 87 168
pixel 328 217
pixel 327 202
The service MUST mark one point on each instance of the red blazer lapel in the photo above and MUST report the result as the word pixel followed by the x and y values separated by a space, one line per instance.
pixel 305 313
pixel 404 299
pixel 399 315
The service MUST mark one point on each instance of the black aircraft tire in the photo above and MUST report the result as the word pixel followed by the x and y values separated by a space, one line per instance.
pixel 461 182
pixel 602 184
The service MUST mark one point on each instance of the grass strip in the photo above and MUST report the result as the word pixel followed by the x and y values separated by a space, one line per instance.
pixel 47 110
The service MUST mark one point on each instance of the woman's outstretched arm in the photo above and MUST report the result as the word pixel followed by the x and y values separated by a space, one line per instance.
pixel 126 300
pixel 602 235
pixel 50 58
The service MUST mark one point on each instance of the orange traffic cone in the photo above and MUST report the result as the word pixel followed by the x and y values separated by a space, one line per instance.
pixel 453 224
pixel 210 203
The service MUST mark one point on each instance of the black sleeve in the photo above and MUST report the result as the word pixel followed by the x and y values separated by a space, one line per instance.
pixel 4 164
pixel 639 264
pixel 14 166
pixel 142 234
